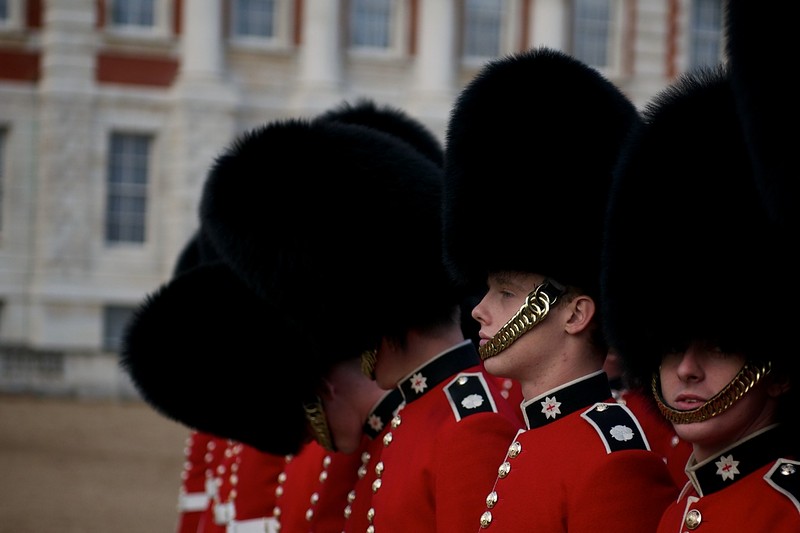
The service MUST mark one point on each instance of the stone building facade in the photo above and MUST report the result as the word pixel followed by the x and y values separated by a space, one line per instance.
pixel 112 111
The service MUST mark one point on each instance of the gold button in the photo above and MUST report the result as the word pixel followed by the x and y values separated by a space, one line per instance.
pixel 491 499
pixel 371 514
pixel 693 519
pixel 371 529
pixel 351 496
pixel 396 421
pixel 379 468
pixel 314 498
pixel 348 511
pixel 504 469
pixel 309 515
pixel 376 485
pixel 387 439
pixel 788 469
pixel 462 380
pixel 486 519
pixel 514 449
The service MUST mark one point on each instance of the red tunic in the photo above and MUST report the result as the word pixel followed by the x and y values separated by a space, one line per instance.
pixel 752 486
pixel 245 498
pixel 360 497
pixel 583 466
pixel 443 447
pixel 660 433
pixel 202 453
pixel 313 492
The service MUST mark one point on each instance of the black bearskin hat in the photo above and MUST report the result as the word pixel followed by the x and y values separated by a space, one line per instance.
pixel 761 44
pixel 289 304
pixel 201 350
pixel 690 253
pixel 530 147
pixel 388 119
pixel 338 224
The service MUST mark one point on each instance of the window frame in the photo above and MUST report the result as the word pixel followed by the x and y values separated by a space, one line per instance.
pixel 614 66
pixel 694 34
pixel 161 27
pixel 114 217
pixel 509 34
pixel 283 17
pixel 15 19
pixel 115 319
pixel 398 39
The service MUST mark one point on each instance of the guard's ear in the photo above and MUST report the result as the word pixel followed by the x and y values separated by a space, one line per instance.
pixel 327 389
pixel 582 309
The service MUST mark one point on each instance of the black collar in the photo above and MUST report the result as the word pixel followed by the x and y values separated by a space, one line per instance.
pixel 382 413
pixel 735 462
pixel 570 397
pixel 443 366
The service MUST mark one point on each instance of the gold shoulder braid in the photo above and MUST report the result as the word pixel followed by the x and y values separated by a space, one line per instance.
pixel 750 374
pixel 533 311
pixel 315 414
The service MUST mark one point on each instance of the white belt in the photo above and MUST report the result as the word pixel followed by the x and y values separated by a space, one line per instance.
pixel 256 525
pixel 192 501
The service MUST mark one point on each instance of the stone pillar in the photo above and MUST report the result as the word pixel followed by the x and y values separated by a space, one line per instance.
pixel 321 55
pixel 437 63
pixel 202 44
pixel 549 24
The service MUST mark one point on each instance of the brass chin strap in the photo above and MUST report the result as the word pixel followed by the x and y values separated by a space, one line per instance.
pixel 368 359
pixel 745 380
pixel 533 311
pixel 315 414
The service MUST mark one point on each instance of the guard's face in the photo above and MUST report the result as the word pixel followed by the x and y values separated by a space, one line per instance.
pixel 507 292
pixel 691 377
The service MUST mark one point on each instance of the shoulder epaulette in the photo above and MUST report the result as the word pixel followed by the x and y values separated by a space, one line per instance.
pixel 618 428
pixel 468 394
pixel 784 476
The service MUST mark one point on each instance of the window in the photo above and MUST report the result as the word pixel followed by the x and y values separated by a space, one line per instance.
pixel 483 22
pixel 705 35
pixel 11 14
pixel 261 24
pixel 254 18
pixel 591 23
pixel 370 23
pixel 140 19
pixel 115 321
pixel 489 29
pixel 133 13
pixel 126 195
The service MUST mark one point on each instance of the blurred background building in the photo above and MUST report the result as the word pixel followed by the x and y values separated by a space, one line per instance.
pixel 111 112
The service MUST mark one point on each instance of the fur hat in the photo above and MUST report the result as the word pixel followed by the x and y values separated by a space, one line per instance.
pixel 530 147
pixel 310 218
pixel 388 119
pixel 201 350
pixel 690 253
pixel 761 44
pixel 338 224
